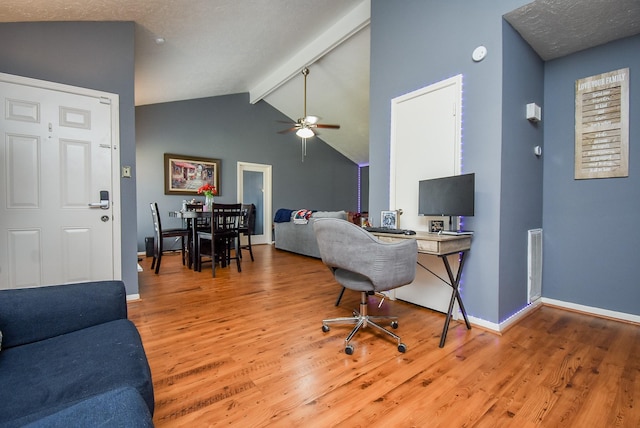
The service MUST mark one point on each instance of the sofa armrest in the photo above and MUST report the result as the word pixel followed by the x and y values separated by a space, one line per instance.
pixel 31 314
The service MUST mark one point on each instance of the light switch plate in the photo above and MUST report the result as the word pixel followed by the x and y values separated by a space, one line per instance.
pixel 126 171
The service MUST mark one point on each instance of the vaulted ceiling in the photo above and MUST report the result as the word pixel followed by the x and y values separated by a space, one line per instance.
pixel 201 48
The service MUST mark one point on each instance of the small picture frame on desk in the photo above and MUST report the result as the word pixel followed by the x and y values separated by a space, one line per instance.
pixel 436 226
pixel 389 219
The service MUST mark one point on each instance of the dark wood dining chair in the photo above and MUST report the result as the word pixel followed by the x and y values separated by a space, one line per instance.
pixel 202 223
pixel 247 227
pixel 222 239
pixel 160 234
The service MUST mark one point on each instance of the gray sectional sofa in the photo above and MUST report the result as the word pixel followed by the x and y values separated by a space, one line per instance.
pixel 299 238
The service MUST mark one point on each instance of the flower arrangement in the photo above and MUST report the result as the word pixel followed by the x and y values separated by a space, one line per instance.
pixel 208 190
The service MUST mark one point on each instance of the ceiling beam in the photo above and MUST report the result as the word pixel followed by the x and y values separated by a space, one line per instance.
pixel 344 28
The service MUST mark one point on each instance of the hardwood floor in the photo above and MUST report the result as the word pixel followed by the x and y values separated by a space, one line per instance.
pixel 247 349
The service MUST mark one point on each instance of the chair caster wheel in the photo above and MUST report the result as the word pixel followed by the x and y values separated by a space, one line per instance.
pixel 394 324
pixel 325 328
pixel 348 350
pixel 402 348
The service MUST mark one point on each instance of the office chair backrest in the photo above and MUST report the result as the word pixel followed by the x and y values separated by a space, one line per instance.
pixel 343 245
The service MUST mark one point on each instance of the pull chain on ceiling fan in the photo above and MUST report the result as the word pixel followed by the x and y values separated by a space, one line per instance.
pixel 304 126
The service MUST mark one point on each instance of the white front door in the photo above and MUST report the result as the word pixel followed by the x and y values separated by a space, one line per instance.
pixel 57 155
pixel 425 143
pixel 254 187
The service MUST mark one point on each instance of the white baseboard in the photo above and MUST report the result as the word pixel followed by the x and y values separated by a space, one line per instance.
pixel 504 325
pixel 589 310
pixel 599 312
pixel 132 297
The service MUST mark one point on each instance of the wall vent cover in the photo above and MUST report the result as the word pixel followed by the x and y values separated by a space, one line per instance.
pixel 534 264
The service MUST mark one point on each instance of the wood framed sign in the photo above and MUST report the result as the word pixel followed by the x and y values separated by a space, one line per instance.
pixel 602 125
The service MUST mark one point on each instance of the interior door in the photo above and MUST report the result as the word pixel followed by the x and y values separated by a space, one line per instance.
pixel 59 223
pixel 425 143
pixel 254 187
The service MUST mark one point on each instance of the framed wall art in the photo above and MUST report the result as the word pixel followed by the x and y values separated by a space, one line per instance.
pixel 183 175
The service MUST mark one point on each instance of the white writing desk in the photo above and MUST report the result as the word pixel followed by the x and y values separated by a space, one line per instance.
pixel 441 246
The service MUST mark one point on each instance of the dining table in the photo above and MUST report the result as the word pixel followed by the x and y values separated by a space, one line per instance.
pixel 191 217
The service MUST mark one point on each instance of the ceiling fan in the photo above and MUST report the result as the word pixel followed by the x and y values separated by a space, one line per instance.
pixel 305 125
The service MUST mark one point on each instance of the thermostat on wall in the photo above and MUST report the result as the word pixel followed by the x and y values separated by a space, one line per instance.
pixel 479 53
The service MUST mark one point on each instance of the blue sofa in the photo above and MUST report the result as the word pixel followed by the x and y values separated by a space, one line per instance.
pixel 70 357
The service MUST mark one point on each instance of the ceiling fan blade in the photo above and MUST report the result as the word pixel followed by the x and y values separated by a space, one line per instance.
pixel 292 122
pixel 326 125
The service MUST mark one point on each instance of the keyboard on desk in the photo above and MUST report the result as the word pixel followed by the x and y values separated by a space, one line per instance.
pixel 388 230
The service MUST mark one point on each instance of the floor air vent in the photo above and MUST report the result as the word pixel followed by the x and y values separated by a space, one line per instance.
pixel 534 264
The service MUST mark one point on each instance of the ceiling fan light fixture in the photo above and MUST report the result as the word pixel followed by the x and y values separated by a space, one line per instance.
pixel 305 132
pixel 311 120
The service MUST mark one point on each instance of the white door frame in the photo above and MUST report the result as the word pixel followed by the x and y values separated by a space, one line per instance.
pixel 431 157
pixel 113 100
pixel 267 196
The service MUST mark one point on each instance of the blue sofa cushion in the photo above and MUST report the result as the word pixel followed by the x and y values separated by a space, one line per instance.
pixel 32 314
pixel 56 372
pixel 118 408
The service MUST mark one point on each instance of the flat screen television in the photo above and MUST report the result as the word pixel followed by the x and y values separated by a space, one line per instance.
pixel 447 196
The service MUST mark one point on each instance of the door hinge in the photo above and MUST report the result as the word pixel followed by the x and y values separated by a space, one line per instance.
pixel 105 100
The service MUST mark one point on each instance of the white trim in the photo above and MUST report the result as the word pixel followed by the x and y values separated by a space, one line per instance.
pixel 622 316
pixel 133 297
pixel 335 35
pixel 266 170
pixel 588 310
pixel 506 324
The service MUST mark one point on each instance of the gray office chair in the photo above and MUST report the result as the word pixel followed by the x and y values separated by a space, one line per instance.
pixel 361 262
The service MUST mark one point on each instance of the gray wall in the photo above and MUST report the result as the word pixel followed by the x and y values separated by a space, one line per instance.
pixel 588 224
pixel 521 181
pixel 418 43
pixel 95 55
pixel 231 129
pixel 591 235
pixel 364 189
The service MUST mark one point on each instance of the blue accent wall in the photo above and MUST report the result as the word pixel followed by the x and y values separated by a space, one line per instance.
pixel 591 235
pixel 418 43
pixel 521 178
pixel 231 129
pixel 589 225
pixel 95 55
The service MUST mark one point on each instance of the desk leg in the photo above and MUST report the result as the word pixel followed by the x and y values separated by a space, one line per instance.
pixel 455 295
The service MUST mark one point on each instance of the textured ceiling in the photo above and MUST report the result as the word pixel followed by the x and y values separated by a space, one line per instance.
pixel 219 47
pixel 556 28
